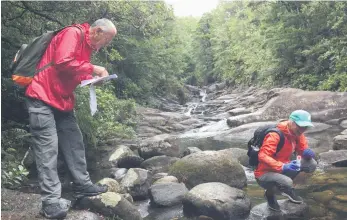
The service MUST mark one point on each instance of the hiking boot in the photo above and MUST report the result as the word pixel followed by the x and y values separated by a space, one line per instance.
pixel 290 193
pixel 54 211
pixel 272 201
pixel 92 190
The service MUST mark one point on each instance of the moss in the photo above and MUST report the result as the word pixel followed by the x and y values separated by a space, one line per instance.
pixel 120 152
pixel 113 185
pixel 341 198
pixel 224 170
pixel 110 199
pixel 323 197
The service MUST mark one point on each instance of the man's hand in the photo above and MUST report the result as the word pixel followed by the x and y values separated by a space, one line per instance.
pixel 100 71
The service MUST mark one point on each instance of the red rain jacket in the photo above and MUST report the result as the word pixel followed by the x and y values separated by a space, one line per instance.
pixel 71 65
pixel 268 162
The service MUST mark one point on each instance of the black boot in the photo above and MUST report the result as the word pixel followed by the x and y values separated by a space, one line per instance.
pixel 54 210
pixel 290 193
pixel 272 201
pixel 92 190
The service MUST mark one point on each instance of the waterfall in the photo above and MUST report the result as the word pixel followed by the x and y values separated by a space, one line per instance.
pixel 191 108
pixel 203 95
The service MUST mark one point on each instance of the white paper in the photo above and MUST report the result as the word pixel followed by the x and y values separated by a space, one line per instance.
pixel 92 102
pixel 97 79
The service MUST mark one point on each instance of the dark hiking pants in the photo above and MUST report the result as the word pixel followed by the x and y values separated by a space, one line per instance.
pixel 276 181
pixel 52 129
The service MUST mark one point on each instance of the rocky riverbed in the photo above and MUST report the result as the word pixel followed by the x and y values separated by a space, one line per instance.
pixel 189 161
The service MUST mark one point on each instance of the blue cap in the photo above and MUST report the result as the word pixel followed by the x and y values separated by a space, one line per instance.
pixel 301 118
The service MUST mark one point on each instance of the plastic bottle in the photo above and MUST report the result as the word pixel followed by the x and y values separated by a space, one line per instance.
pixel 298 162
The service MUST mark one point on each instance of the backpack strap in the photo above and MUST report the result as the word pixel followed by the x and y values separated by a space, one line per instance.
pixel 281 142
pixel 51 63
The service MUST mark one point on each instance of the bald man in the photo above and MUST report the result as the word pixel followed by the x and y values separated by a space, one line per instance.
pixel 50 102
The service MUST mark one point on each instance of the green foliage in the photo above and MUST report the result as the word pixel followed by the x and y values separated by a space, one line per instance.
pixel 300 44
pixel 114 118
pixel 12 173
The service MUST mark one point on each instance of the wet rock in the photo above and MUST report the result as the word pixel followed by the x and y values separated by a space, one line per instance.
pixel 239 111
pixel 208 166
pixel 159 164
pixel 158 148
pixel 128 197
pixel 279 106
pixel 237 154
pixel 323 197
pixel 167 194
pixel 113 185
pixel 216 200
pixel 340 142
pixel 289 210
pixel 344 123
pixel 190 150
pixel 341 198
pixel 338 157
pixel 118 173
pixel 110 204
pixel 167 179
pixel 338 206
pixel 124 157
pixel 136 182
pixel 158 176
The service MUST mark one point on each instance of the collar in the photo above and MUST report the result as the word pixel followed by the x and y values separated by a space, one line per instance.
pixel 86 27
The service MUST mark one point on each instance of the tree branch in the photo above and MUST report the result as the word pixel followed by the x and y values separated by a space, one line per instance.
pixel 25 4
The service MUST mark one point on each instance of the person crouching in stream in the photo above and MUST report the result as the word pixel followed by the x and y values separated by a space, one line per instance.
pixel 275 171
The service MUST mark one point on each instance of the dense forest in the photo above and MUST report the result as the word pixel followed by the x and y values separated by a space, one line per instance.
pixel 276 43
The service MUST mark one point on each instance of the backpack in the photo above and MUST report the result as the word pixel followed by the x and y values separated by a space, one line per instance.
pixel 23 66
pixel 255 143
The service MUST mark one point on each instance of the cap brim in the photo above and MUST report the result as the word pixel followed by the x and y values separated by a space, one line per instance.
pixel 304 124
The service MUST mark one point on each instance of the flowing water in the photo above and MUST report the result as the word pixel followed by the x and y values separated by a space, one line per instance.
pixel 325 191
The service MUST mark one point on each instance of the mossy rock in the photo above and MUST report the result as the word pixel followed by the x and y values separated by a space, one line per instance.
pixel 209 166
pixel 113 185
pixel 110 204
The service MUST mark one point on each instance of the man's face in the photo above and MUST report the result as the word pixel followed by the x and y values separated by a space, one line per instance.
pixel 296 129
pixel 101 39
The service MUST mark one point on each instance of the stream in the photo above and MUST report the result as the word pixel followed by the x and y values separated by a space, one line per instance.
pixel 325 192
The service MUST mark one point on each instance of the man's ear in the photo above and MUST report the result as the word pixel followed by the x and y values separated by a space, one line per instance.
pixel 99 30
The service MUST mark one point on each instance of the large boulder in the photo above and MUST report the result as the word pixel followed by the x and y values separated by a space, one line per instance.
pixel 337 157
pixel 167 194
pixel 216 200
pixel 124 157
pixel 289 211
pixel 237 154
pixel 110 204
pixel 158 148
pixel 137 182
pixel 323 106
pixel 159 164
pixel 209 166
pixel 340 142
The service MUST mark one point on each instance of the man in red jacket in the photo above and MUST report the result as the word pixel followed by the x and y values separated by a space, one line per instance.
pixel 275 171
pixel 50 102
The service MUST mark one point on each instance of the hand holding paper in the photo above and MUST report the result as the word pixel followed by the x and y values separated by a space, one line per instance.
pixel 92 82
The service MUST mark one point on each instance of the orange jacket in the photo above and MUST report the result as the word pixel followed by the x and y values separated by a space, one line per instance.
pixel 268 162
